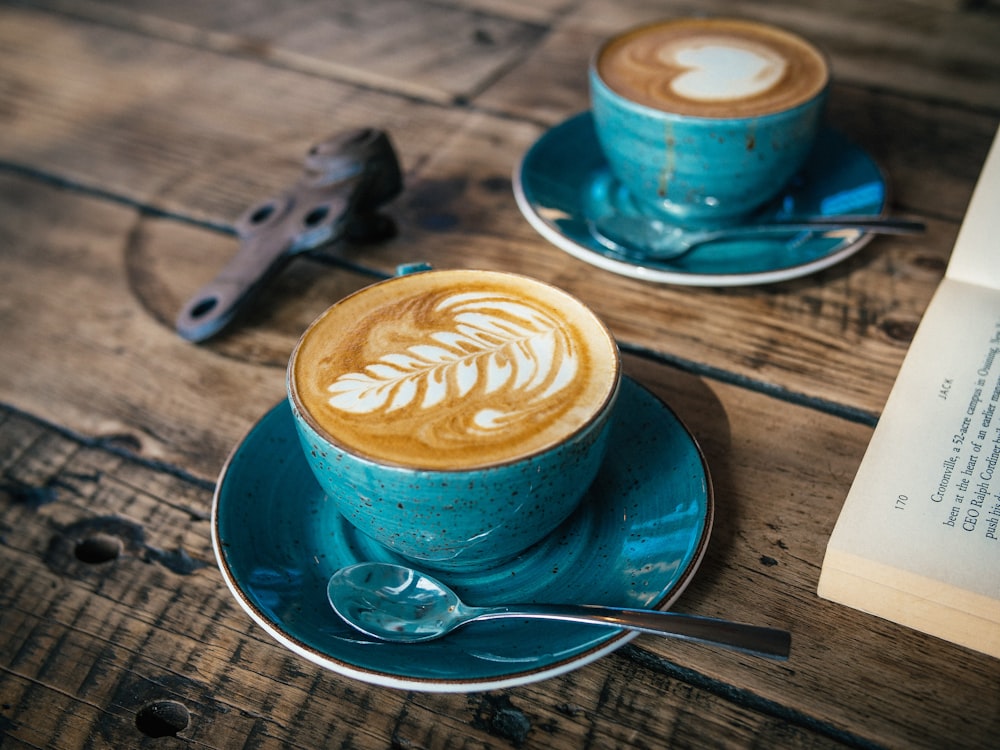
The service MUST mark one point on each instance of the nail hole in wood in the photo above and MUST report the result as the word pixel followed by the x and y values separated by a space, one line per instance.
pixel 98 548
pixel 162 719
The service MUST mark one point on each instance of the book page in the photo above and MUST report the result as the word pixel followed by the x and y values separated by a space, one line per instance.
pixel 927 496
pixel 976 257
pixel 918 539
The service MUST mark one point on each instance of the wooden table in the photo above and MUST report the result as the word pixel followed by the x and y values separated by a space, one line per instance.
pixel 133 133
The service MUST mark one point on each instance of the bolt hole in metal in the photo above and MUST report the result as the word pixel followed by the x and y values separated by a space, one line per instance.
pixel 162 719
pixel 317 215
pixel 262 214
pixel 204 307
pixel 99 548
pixel 345 178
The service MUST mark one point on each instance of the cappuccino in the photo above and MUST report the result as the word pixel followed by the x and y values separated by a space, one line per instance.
pixel 453 370
pixel 716 68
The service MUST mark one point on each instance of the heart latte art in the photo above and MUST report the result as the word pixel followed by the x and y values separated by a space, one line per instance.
pixel 454 369
pixel 713 67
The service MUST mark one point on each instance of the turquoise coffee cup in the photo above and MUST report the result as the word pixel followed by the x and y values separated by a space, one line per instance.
pixel 706 156
pixel 455 417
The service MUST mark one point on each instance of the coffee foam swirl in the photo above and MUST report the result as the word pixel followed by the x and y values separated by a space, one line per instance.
pixel 490 342
pixel 453 372
pixel 713 68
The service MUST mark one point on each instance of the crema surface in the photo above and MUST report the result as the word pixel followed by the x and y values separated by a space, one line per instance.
pixel 713 68
pixel 454 369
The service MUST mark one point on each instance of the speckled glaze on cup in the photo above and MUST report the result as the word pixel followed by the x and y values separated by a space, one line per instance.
pixel 473 517
pixel 702 171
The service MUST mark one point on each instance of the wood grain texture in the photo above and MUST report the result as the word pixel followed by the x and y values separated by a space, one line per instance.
pixel 926 52
pixel 98 643
pixel 435 51
pixel 155 623
pixel 777 502
pixel 157 139
pixel 134 133
pixel 453 48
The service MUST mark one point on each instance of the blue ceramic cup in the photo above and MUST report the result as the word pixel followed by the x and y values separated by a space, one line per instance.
pixel 705 120
pixel 455 417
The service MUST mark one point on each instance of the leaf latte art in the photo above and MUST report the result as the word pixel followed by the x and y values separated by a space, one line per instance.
pixel 446 369
pixel 488 343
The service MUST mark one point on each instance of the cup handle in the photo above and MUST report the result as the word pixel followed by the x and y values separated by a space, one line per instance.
pixel 405 269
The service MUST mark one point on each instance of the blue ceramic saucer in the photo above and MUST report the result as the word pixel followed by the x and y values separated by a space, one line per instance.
pixel 562 182
pixel 635 541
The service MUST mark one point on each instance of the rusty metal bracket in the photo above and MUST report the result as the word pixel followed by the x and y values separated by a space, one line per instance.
pixel 347 178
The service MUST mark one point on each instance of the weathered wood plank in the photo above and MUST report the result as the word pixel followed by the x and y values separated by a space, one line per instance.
pixel 149 624
pixel 141 119
pixel 152 139
pixel 196 110
pixel 386 44
pixel 810 339
pixel 89 342
pixel 122 376
pixel 778 498
pixel 102 641
pixel 93 328
pixel 86 349
pixel 436 51
pixel 927 52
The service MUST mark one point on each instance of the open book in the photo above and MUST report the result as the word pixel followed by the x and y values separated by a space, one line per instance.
pixel 918 539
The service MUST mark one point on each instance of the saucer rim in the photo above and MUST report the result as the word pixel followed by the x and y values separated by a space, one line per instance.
pixel 652 273
pixel 544 668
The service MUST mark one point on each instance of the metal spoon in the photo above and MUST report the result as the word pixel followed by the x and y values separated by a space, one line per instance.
pixel 395 603
pixel 642 237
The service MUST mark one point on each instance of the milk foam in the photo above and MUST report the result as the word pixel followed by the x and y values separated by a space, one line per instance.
pixel 717 70
pixel 713 67
pixel 454 369
pixel 493 341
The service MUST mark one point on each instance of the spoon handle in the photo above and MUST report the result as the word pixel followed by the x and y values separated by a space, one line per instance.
pixel 750 639
pixel 876 224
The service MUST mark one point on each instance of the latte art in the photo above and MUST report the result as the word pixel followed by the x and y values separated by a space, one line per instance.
pixel 718 70
pixel 486 343
pixel 713 67
pixel 443 370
